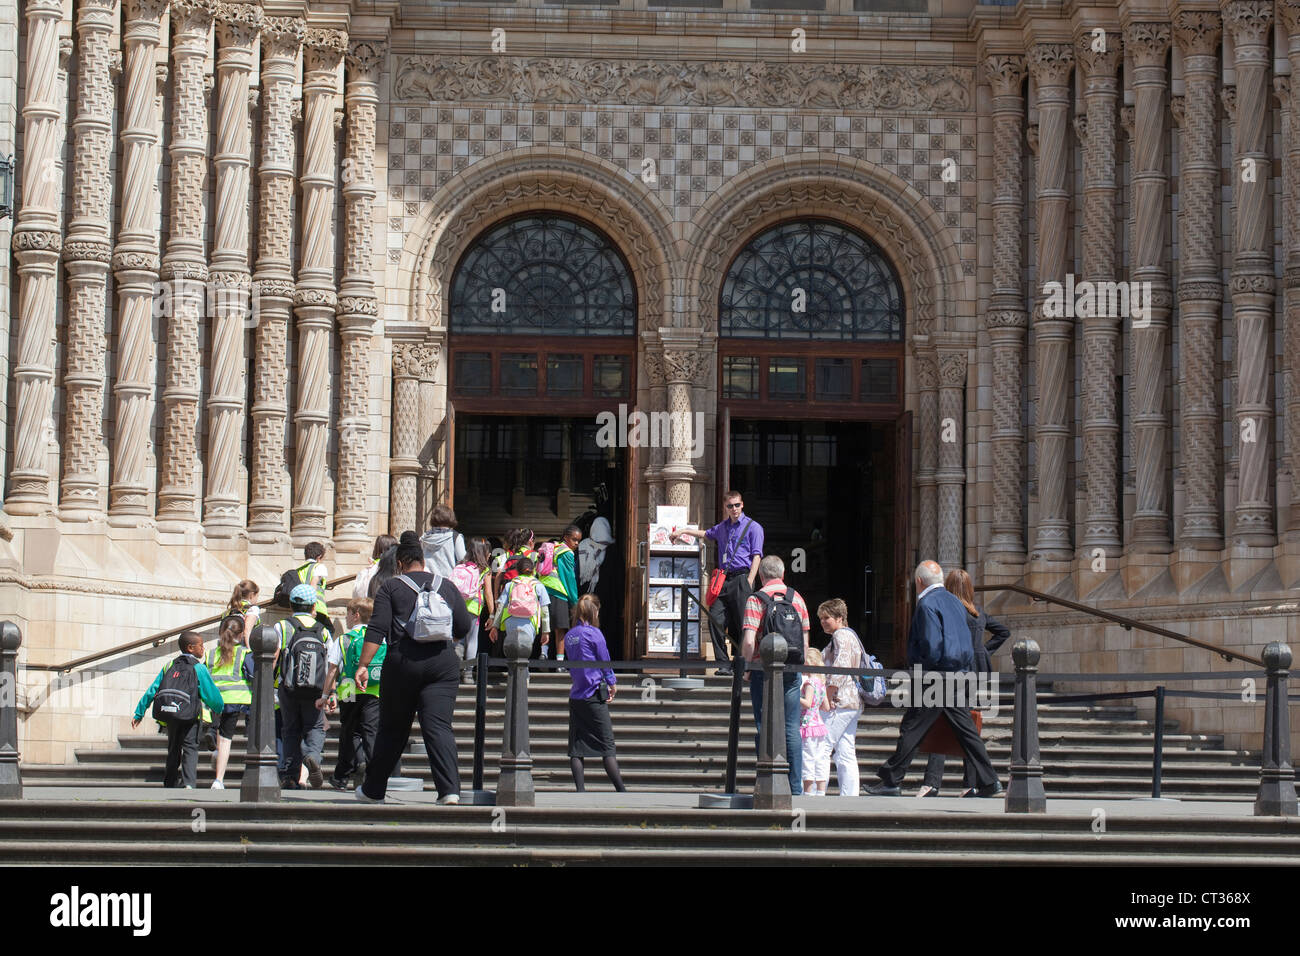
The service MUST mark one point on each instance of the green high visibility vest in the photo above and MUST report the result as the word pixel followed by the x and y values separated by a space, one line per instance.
pixel 229 678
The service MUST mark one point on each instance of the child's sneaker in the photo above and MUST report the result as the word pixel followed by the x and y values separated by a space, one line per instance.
pixel 364 799
pixel 218 785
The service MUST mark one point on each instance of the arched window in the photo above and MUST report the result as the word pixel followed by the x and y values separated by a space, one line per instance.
pixel 812 280
pixel 543 275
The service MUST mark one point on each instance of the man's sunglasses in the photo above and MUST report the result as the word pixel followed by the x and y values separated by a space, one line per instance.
pixel 736 505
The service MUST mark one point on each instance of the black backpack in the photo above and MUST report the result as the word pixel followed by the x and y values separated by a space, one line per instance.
pixel 303 663
pixel 288 581
pixel 782 617
pixel 178 694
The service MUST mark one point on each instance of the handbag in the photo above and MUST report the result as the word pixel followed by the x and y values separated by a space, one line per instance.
pixel 942 739
pixel 719 576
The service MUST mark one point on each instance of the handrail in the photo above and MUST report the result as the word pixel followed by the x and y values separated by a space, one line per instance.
pixel 152 640
pixel 1127 623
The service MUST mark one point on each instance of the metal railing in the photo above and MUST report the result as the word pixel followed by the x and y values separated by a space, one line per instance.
pixel 153 640
pixel 1127 623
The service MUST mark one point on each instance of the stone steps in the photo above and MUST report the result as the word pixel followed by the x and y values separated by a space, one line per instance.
pixel 108 832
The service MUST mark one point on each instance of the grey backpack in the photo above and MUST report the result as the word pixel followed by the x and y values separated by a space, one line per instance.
pixel 430 619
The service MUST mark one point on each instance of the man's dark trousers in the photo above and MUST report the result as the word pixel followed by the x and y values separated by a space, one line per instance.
pixel 182 754
pixel 727 613
pixel 912 730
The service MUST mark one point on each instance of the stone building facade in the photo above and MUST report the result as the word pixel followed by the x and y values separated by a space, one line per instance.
pixel 238 228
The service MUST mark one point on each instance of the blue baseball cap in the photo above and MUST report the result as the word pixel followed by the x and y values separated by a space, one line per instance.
pixel 303 595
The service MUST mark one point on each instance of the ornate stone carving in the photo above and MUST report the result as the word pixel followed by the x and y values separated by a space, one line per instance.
pixel 1249 21
pixel 1031 137
pixel 283 36
pixel 1005 73
pixel 1148 42
pixel 367 57
pixel 1050 63
pixel 659 83
pixel 1197 32
pixel 1099 63
pixel 1177 107
pixel 1081 128
pixel 684 365
pixel 238 23
pixel 324 49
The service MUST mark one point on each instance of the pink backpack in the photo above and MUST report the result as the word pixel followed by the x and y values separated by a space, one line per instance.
pixel 467 576
pixel 523 598
pixel 546 567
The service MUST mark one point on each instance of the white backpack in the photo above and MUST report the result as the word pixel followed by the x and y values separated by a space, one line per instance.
pixel 430 619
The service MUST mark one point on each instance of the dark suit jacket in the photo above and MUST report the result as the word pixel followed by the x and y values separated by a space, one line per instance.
pixel 940 636
pixel 984 651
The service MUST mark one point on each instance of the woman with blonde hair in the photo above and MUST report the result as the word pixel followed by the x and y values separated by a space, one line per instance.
pixel 959 583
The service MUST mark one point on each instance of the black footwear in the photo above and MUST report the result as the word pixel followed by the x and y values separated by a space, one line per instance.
pixel 883 790
pixel 314 775
pixel 723 671
pixel 337 784
pixel 995 790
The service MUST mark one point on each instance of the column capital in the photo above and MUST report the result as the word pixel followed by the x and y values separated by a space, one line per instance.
pixel 1099 56
pixel 1148 42
pixel 1197 32
pixel 238 24
pixel 192 16
pixel 1288 12
pixel 365 58
pixel 135 9
pixel 684 365
pixel 1247 21
pixel 1005 73
pixel 325 49
pixel 418 360
pixel 952 369
pixel 1050 63
pixel 282 36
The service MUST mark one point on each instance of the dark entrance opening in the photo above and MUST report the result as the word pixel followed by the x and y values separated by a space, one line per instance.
pixel 824 493
pixel 545 473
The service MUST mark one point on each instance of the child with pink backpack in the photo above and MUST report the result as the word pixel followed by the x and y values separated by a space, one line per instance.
pixel 525 607
pixel 471 579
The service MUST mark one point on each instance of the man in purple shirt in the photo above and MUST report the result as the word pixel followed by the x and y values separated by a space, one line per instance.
pixel 740 547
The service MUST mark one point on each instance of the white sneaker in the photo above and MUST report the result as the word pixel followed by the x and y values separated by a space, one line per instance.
pixel 450 800
pixel 364 799
pixel 218 785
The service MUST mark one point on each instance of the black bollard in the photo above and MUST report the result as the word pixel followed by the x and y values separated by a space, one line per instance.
pixel 733 722
pixel 11 777
pixel 1025 790
pixel 772 783
pixel 1276 796
pixel 261 780
pixel 480 718
pixel 515 781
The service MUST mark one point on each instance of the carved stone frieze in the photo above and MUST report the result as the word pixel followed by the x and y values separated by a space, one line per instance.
pixel 1148 42
pixel 367 57
pixel 662 83
pixel 1005 73
pixel 1197 32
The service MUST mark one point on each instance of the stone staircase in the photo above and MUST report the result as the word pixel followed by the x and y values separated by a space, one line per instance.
pixel 676 741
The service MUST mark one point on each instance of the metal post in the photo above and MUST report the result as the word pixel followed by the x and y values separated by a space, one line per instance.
pixel 515 781
pixel 1025 789
pixel 1158 761
pixel 261 781
pixel 11 777
pixel 480 719
pixel 1276 796
pixel 681 651
pixel 733 722
pixel 772 782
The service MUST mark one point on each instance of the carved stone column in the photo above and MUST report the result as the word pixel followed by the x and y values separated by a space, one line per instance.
pixel 951 476
pixel 135 268
pixel 1148 44
pixel 269 500
pixel 184 267
pixel 412 361
pixel 658 382
pixel 685 363
pixel 238 25
pixel 1050 64
pixel 1249 23
pixel 86 257
pixel 1200 292
pixel 1289 10
pixel 927 383
pixel 37 242
pixel 1101 333
pixel 1007 319
pixel 357 306
pixel 315 299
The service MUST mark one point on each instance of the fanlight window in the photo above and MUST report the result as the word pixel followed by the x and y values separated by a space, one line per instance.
pixel 812 280
pixel 543 275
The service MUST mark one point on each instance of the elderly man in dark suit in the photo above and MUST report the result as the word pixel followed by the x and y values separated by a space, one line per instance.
pixel 939 641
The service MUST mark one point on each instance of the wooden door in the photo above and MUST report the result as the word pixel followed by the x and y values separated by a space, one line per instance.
pixel 902 535
pixel 449 459
pixel 724 462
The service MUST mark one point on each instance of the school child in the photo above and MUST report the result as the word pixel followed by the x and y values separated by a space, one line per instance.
pixel 471 580
pixel 176 694
pixel 812 728
pixel 550 554
pixel 358 708
pixel 231 667
pixel 524 607
pixel 591 734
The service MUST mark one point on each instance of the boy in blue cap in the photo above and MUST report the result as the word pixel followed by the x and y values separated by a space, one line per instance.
pixel 308 661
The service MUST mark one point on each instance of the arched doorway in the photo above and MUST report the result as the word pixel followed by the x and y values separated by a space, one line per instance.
pixel 542 337
pixel 813 433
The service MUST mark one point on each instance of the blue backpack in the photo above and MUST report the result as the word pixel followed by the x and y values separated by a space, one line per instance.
pixel 872 689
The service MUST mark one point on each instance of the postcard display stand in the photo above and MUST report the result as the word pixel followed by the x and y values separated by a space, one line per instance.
pixel 672 570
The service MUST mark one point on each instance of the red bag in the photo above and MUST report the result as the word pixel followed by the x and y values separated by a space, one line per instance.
pixel 942 739
pixel 716 580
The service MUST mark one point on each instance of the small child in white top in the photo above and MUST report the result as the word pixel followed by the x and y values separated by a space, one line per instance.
pixel 812 728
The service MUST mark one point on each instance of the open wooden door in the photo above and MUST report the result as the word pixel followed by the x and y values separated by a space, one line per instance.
pixel 633 590
pixel 449 458
pixel 902 535
pixel 724 461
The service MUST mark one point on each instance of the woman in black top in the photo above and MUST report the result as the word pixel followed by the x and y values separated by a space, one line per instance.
pixel 419 678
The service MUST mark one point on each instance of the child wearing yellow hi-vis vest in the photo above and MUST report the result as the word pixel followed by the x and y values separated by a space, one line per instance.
pixel 231 667
pixel 359 708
